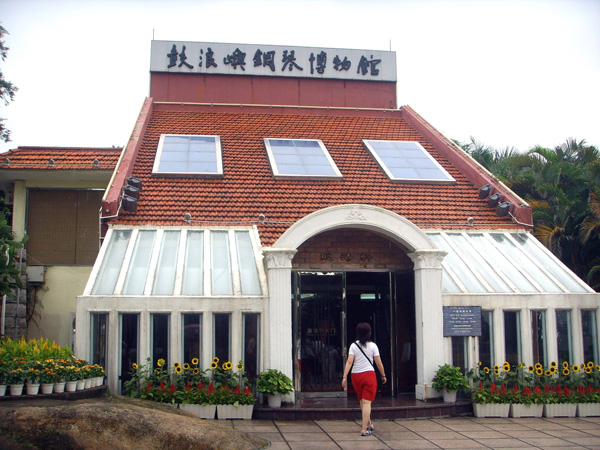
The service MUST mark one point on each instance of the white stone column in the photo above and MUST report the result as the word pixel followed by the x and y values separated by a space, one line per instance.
pixel 428 317
pixel 278 353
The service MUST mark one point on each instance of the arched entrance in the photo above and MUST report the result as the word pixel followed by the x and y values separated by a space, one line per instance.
pixel 427 282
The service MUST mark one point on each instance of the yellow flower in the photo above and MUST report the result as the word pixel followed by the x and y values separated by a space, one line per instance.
pixel 539 371
pixel 565 364
pixel 589 370
pixel 195 361
pixel 186 366
pixel 597 367
pixel 135 366
pixel 156 372
pixel 227 365
pixel 196 371
pixel 521 364
pixel 553 369
pixel 575 368
pixel 480 363
pixel 214 365
pixel 178 369
pixel 531 369
pixel 566 371
pixel 176 365
pixel 548 372
pixel 553 364
pixel 538 366
pixel 216 360
pixel 497 370
pixel 590 364
pixel 506 366
pixel 161 362
pixel 240 365
pixel 486 370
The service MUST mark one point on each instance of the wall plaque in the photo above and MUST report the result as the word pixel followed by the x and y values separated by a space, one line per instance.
pixel 462 321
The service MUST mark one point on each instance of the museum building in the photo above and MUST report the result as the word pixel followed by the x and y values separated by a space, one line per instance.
pixel 270 198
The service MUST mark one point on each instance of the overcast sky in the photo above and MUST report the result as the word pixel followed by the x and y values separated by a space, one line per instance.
pixel 510 73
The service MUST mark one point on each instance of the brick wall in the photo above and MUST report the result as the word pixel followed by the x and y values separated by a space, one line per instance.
pixel 351 249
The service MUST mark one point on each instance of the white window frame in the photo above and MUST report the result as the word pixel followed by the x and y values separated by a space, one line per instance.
pixel 218 153
pixel 286 176
pixel 449 179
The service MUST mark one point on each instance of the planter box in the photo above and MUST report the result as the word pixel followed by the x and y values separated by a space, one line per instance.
pixel 521 410
pixel 202 411
pixel 560 410
pixel 588 409
pixel 234 412
pixel 491 409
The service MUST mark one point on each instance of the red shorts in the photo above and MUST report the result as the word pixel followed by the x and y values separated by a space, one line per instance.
pixel 365 384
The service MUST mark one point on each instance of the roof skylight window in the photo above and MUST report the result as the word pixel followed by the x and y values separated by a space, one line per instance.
pixel 180 155
pixel 300 158
pixel 408 162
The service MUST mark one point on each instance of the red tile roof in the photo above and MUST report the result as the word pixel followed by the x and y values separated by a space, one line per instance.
pixel 59 158
pixel 248 188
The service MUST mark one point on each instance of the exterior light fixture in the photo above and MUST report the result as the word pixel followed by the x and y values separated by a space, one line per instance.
pixel 132 181
pixel 132 191
pixel 470 221
pixel 51 162
pixel 494 199
pixel 485 191
pixel 187 218
pixel 129 204
pixel 503 209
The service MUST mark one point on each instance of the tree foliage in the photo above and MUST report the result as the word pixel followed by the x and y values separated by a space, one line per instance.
pixel 562 186
pixel 7 89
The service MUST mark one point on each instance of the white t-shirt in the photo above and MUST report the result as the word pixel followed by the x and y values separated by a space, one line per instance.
pixel 360 362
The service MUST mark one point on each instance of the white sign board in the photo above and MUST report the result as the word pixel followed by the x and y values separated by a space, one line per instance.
pixel 272 60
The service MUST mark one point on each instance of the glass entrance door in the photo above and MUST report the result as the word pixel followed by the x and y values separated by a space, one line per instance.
pixel 328 308
pixel 320 335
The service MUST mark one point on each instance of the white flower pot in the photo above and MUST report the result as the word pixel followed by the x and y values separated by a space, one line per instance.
pixel 274 400
pixel 47 388
pixel 70 386
pixel 87 383
pixel 491 409
pixel 16 389
pixel 521 410
pixel 449 396
pixel 2 390
pixel 588 409
pixel 59 387
pixel 80 385
pixel 560 410
pixel 33 388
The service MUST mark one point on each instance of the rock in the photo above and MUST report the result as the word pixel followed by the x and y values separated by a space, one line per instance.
pixel 113 423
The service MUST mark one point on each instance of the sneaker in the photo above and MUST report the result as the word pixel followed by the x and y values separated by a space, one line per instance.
pixel 366 433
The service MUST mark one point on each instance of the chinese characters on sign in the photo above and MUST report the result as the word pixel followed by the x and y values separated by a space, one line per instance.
pixel 462 320
pixel 274 60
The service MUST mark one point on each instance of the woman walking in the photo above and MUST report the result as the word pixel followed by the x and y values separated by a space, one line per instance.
pixel 361 355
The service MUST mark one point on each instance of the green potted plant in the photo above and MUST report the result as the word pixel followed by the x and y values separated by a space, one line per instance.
pixel 274 384
pixel 449 380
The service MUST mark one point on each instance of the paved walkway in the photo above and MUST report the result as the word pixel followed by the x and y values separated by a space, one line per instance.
pixel 420 434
